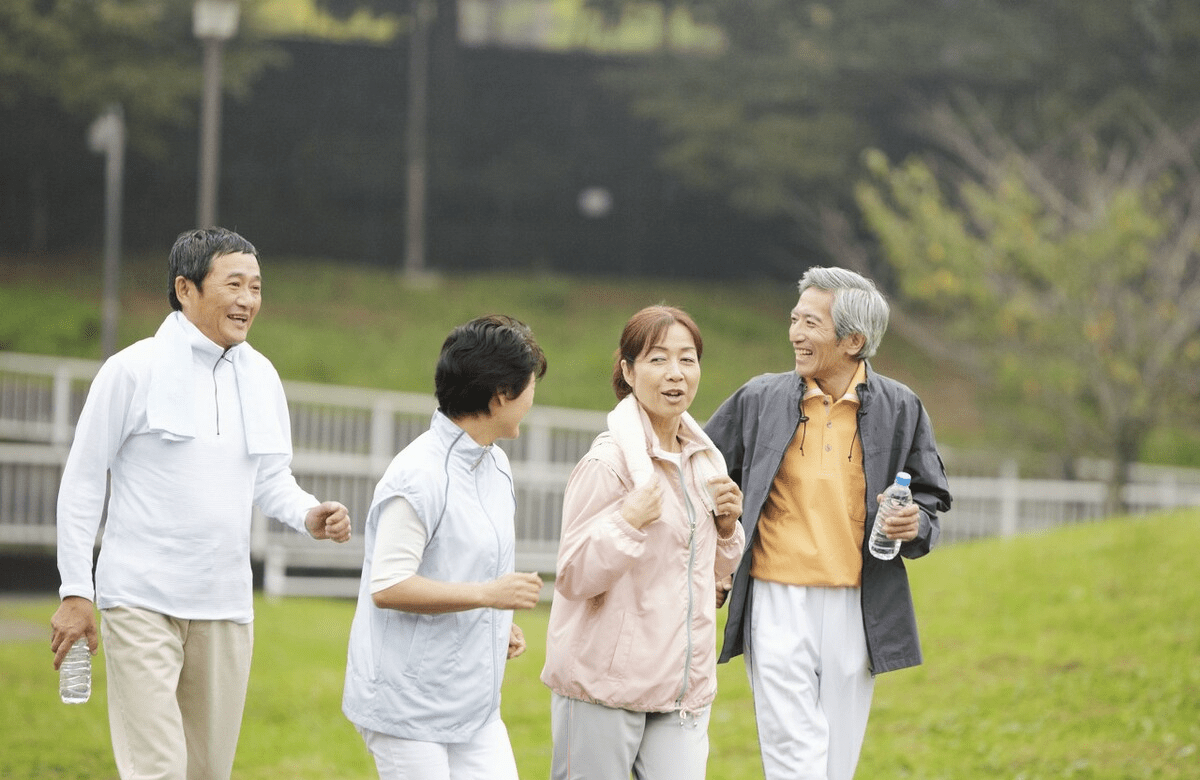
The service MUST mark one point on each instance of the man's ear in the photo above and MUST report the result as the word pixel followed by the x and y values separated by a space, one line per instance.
pixel 854 343
pixel 182 284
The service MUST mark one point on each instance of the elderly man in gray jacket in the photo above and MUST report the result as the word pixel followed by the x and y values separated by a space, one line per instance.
pixel 816 614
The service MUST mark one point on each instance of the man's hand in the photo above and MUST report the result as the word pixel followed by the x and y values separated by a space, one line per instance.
pixel 75 617
pixel 516 642
pixel 903 524
pixel 328 520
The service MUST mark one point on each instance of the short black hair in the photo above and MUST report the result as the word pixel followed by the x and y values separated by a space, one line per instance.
pixel 193 253
pixel 486 356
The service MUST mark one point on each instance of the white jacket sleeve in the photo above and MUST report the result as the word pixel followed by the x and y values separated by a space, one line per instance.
pixel 276 492
pixel 102 429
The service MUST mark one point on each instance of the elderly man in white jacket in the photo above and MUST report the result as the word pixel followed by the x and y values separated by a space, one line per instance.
pixel 188 429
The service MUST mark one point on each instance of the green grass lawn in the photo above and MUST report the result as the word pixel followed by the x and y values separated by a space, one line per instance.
pixel 1073 654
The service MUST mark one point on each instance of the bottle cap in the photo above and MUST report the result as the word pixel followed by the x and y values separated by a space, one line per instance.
pixel 902 478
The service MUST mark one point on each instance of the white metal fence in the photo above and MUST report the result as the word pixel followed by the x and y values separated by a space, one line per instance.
pixel 344 437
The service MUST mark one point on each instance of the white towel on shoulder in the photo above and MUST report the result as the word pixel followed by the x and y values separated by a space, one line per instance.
pixel 170 401
pixel 628 424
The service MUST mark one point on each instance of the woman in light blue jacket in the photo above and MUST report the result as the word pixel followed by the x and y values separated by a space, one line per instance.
pixel 433 627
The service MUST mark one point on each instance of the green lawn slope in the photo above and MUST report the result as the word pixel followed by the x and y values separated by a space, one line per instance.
pixel 1071 654
pixel 365 326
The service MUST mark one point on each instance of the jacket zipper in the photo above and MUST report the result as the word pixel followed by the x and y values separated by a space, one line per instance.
pixel 216 395
pixel 687 660
pixel 492 621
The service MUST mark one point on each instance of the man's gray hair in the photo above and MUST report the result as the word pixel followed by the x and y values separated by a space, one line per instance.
pixel 858 307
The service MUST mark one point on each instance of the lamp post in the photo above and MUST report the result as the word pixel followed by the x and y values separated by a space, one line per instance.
pixel 107 136
pixel 423 12
pixel 213 23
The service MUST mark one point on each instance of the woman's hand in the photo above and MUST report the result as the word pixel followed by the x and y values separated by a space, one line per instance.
pixel 516 641
pixel 723 587
pixel 643 506
pixel 518 590
pixel 727 498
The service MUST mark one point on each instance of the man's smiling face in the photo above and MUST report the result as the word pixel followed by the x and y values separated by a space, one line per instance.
pixel 820 355
pixel 223 308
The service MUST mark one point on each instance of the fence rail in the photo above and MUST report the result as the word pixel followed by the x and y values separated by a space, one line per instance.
pixel 344 437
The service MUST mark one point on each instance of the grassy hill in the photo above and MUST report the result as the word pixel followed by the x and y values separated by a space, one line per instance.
pixel 364 326
pixel 1072 654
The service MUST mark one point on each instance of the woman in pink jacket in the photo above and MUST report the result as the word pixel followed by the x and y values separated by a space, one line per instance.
pixel 649 526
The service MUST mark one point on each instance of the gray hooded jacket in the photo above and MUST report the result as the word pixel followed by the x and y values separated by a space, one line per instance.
pixel 753 429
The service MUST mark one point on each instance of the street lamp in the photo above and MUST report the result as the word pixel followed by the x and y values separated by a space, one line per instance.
pixel 107 136
pixel 213 22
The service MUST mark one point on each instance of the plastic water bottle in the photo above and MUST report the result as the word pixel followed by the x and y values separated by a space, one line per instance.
pixel 75 674
pixel 896 496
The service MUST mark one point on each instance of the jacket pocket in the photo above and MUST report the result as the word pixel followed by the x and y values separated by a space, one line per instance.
pixel 620 657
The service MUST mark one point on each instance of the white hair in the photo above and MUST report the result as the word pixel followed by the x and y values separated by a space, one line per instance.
pixel 858 306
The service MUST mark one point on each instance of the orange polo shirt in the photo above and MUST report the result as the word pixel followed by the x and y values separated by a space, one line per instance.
pixel 811 529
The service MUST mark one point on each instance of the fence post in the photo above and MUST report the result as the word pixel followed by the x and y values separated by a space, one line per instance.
pixel 539 440
pixel 383 426
pixel 1010 499
pixel 1168 491
pixel 60 407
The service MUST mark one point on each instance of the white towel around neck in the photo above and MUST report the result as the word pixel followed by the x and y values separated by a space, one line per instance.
pixel 170 401
pixel 628 423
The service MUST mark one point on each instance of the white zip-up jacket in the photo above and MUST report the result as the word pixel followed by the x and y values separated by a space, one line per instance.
pixel 436 678
pixel 167 417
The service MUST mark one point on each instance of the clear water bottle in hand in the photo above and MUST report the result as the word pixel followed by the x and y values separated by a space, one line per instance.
pixel 896 496
pixel 75 674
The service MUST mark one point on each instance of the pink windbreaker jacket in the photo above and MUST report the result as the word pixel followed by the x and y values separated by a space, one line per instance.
pixel 633 621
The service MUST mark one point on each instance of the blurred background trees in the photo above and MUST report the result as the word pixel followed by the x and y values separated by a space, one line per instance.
pixel 1027 199
pixel 62 62
pixel 1068 273
pixel 777 120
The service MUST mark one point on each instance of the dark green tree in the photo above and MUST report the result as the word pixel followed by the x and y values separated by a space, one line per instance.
pixel 778 119
pixel 62 62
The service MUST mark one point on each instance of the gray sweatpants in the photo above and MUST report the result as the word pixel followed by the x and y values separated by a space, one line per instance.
pixel 594 742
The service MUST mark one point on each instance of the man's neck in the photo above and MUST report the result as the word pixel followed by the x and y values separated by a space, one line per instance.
pixel 835 384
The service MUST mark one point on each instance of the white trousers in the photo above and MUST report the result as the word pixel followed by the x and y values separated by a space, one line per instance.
pixel 806 656
pixel 176 691
pixel 488 756
pixel 594 742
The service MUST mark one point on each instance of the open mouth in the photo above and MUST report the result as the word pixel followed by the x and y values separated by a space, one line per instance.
pixel 673 394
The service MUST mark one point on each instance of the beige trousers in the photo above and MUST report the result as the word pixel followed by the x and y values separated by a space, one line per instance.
pixel 176 691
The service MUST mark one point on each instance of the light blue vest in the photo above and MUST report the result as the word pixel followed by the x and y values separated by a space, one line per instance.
pixel 436 678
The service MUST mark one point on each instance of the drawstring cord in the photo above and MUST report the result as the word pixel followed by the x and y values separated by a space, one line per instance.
pixel 803 421
pixel 804 429
pixel 857 426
